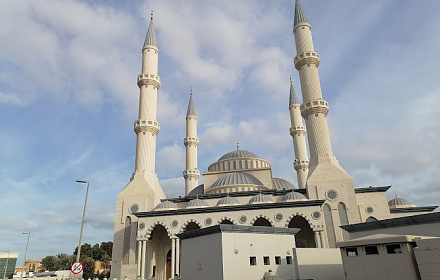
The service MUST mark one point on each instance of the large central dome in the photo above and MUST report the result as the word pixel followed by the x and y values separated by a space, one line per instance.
pixel 238 154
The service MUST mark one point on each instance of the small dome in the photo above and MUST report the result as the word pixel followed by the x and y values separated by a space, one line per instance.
pixel 227 200
pixel 196 203
pixel 398 202
pixel 238 154
pixel 200 189
pixel 260 198
pixel 236 178
pixel 166 205
pixel 293 196
pixel 281 184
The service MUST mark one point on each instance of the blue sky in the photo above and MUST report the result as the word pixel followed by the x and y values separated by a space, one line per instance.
pixel 68 100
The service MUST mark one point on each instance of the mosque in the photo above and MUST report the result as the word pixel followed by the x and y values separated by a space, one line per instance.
pixel 239 188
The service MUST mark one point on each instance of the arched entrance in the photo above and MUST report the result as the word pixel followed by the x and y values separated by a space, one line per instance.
pixel 160 261
pixel 262 222
pixel 305 238
pixel 226 222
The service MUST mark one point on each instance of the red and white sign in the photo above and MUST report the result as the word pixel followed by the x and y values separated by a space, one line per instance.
pixel 76 268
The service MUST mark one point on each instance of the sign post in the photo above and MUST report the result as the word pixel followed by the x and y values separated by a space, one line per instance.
pixel 76 268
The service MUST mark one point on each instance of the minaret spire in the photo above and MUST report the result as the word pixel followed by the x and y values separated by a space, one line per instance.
pixel 298 133
pixel 191 174
pixel 300 16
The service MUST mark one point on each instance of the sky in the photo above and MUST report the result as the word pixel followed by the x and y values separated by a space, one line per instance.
pixel 68 100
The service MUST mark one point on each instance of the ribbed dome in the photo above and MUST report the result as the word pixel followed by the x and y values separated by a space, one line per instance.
pixel 292 196
pixel 238 154
pixel 227 200
pixel 260 198
pixel 200 189
pixel 281 184
pixel 195 203
pixel 236 178
pixel 397 201
pixel 166 205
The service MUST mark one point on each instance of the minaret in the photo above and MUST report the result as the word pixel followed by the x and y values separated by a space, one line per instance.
pixel 147 127
pixel 326 178
pixel 298 133
pixel 143 192
pixel 191 173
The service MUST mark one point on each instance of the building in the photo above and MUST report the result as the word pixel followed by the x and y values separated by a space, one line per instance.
pixel 8 260
pixel 239 188
pixel 388 256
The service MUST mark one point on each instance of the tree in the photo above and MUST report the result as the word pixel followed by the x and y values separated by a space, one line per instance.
pixel 49 263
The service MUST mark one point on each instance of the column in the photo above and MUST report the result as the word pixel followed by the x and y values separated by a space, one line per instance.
pixel 144 253
pixel 317 240
pixel 178 256
pixel 323 241
pixel 173 256
pixel 139 255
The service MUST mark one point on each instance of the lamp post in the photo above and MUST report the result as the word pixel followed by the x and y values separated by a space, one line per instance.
pixel 6 266
pixel 83 216
pixel 25 252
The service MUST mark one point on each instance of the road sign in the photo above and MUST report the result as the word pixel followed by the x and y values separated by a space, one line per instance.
pixel 76 268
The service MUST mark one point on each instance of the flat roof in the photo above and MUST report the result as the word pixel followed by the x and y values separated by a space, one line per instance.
pixel 380 239
pixel 394 222
pixel 223 228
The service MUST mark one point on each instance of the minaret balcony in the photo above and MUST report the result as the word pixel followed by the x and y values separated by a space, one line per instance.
pixel 314 107
pixel 297 130
pixel 191 173
pixel 146 126
pixel 191 141
pixel 145 79
pixel 300 164
pixel 304 58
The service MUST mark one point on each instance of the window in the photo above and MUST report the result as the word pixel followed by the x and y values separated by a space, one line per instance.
pixel 253 260
pixel 394 249
pixel 289 259
pixel 277 260
pixel 266 260
pixel 351 252
pixel 371 250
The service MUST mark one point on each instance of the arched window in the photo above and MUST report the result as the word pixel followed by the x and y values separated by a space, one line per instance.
pixel 329 227
pixel 226 222
pixel 192 226
pixel 343 217
pixel 370 219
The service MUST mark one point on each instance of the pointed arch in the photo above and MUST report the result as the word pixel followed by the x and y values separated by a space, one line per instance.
pixel 190 225
pixel 226 220
pixel 261 220
pixel 305 237
pixel 329 226
pixel 151 228
pixel 343 218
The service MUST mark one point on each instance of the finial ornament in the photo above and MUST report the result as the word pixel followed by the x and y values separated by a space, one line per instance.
pixel 291 79
pixel 151 15
pixel 238 145
pixel 191 91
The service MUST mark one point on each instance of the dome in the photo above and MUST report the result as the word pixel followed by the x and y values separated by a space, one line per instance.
pixel 227 200
pixel 293 196
pixel 195 203
pixel 238 154
pixel 398 202
pixel 166 205
pixel 200 189
pixel 281 184
pixel 260 198
pixel 236 178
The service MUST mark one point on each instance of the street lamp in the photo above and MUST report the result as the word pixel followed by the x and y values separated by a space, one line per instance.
pixel 82 222
pixel 25 252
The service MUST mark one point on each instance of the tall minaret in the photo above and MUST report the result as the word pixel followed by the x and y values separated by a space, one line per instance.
pixel 143 192
pixel 191 173
pixel 326 178
pixel 298 133
pixel 147 127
